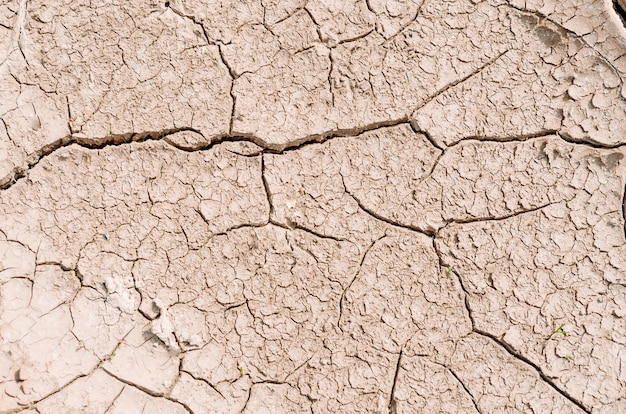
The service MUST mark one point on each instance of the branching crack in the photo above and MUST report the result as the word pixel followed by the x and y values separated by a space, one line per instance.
pixel 233 97
pixel 500 342
pixel 266 186
pixel 205 382
pixel 624 210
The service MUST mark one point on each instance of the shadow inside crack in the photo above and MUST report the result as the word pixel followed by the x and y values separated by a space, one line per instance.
pixel 620 9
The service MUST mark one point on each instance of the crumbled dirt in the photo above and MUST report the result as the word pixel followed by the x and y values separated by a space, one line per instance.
pixel 302 206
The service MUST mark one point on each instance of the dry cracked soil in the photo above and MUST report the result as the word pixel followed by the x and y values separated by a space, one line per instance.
pixel 348 206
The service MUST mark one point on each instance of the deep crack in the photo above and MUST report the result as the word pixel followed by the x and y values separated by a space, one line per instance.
pixel 392 406
pixel 536 367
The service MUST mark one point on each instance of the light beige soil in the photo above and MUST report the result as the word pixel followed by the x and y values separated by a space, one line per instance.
pixel 350 206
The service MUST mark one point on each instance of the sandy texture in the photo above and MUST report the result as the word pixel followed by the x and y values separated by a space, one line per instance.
pixel 326 206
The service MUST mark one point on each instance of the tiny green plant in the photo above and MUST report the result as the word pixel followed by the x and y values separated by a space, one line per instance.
pixel 240 371
pixel 110 132
pixel 568 357
pixel 561 330
pixel 450 270
pixel 110 357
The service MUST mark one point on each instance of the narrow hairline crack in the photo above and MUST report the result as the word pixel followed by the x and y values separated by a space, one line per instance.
pixel 466 389
pixel 456 82
pixel 356 274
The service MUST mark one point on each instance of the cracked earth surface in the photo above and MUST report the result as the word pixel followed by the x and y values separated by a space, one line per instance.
pixel 306 206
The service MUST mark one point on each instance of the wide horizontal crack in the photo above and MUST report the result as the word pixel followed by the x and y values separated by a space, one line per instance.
pixel 590 142
pixel 135 137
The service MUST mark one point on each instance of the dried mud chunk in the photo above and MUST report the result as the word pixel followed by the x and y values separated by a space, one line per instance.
pixel 292 299
pixel 307 191
pixel 429 387
pixel 373 80
pixel 276 293
pixel 142 360
pixel 487 371
pixel 382 169
pixel 221 20
pixel 96 325
pixel 39 119
pixel 400 292
pixel 481 180
pixel 342 20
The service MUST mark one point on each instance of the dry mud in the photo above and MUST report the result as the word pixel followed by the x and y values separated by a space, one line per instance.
pixel 326 206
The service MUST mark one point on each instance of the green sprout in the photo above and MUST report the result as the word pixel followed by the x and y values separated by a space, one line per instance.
pixel 560 330
pixel 240 371
pixel 449 270
pixel 110 132
pixel 568 357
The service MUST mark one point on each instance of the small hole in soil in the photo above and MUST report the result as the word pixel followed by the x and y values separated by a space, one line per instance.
pixel 167 4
